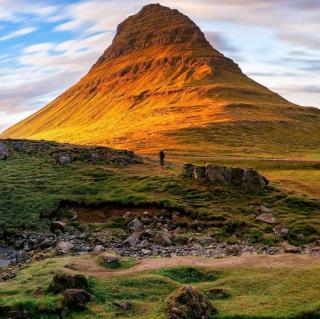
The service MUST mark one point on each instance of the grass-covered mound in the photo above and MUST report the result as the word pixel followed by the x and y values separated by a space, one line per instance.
pixel 281 291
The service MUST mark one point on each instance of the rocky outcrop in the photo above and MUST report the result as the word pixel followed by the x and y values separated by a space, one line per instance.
pixel 4 151
pixel 66 153
pixel 63 281
pixel 158 26
pixel 62 158
pixel 248 178
pixel 189 303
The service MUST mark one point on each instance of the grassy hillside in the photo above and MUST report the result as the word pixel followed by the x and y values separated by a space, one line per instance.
pixel 286 290
pixel 33 185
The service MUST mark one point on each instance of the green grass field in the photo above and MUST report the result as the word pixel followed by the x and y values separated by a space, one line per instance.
pixel 33 186
pixel 287 291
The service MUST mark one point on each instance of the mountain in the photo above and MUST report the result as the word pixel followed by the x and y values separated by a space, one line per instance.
pixel 161 85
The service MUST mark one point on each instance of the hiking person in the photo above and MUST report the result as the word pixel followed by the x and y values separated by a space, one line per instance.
pixel 162 156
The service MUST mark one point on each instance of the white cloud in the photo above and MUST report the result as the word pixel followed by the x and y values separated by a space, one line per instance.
pixel 17 33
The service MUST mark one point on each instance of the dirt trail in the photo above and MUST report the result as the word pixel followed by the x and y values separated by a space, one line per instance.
pixel 90 267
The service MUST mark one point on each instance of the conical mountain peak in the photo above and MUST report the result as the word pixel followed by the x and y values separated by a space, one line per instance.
pixel 157 26
pixel 161 85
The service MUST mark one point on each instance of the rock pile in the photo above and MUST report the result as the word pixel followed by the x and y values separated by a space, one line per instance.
pixel 248 178
pixel 189 303
pixel 67 153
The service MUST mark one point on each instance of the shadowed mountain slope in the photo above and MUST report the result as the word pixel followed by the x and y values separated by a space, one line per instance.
pixel 162 85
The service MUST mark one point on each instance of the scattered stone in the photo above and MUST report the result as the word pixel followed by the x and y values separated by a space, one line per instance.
pixel 62 158
pixel 98 249
pixel 63 281
pixel 163 238
pixel 133 239
pixel 266 218
pixel 4 151
pixel 123 305
pixel 290 249
pixel 135 225
pixel 281 231
pixel 189 303
pixel 64 247
pixel 233 250
pixel 57 225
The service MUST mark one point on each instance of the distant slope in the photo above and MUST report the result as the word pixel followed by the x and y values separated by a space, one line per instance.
pixel 162 85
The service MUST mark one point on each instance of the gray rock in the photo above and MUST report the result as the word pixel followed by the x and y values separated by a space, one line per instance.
pixel 64 247
pixel 266 218
pixel 135 225
pixel 4 151
pixel 133 239
pixel 57 225
pixel 290 249
pixel 163 238
pixel 281 231
pixel 98 249
pixel 253 181
pixel 62 157
pixel 249 178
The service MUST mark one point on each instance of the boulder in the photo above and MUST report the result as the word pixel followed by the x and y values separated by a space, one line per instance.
pixel 163 238
pixel 135 225
pixel 63 281
pixel 4 151
pixel 133 239
pixel 98 249
pixel 74 300
pixel 187 171
pixel 253 181
pixel 199 172
pixel 266 218
pixel 64 247
pixel 218 174
pixel 249 179
pixel 62 157
pixel 189 303
pixel 290 249
pixel 281 231
pixel 57 225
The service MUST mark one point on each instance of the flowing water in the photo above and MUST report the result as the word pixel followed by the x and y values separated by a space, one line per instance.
pixel 7 256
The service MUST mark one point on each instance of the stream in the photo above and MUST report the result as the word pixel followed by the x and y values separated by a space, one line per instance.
pixel 7 256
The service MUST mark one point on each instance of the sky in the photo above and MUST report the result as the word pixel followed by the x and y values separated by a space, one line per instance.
pixel 48 45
